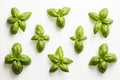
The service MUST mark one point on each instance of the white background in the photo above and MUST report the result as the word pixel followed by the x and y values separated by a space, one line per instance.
pixel 39 68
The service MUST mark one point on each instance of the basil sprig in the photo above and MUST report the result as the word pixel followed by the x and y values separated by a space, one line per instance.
pixel 18 20
pixel 59 14
pixel 101 22
pixel 78 38
pixel 17 59
pixel 40 37
pixel 102 60
pixel 59 61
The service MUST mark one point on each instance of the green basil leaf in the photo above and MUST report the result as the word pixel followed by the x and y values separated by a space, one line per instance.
pixel 107 21
pixel 105 30
pixel 25 16
pixel 39 30
pixel 53 68
pixel 67 61
pixel 60 22
pixel 94 61
pixel 16 48
pixel 110 58
pixel 11 20
pixel 35 37
pixel 103 13
pixel 14 28
pixel 22 25
pixel 64 11
pixel 102 66
pixel 79 32
pixel 9 59
pixel 17 67
pixel 53 58
pixel 64 67
pixel 97 27
pixel 103 50
pixel 78 46
pixel 24 59
pixel 53 12
pixel 46 37
pixel 83 38
pixel 15 12
pixel 94 16
pixel 59 52
pixel 73 38
pixel 40 46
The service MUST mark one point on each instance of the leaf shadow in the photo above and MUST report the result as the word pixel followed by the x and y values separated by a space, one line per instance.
pixel 9 69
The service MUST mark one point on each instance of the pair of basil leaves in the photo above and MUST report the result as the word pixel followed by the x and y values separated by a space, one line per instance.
pixel 17 20
pixel 17 59
pixel 59 61
pixel 59 14
pixel 103 59
pixel 78 38
pixel 101 22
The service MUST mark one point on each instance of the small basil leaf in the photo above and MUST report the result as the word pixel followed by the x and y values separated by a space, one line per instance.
pixel 16 48
pixel 39 30
pixel 64 67
pixel 53 12
pixel 103 50
pixel 67 61
pixel 78 46
pixel 97 27
pixel 40 46
pixel 110 58
pixel 83 38
pixel 53 68
pixel 15 12
pixel 79 32
pixel 24 59
pixel 11 20
pixel 22 25
pixel 107 21
pixel 94 16
pixel 94 61
pixel 60 22
pixel 46 37
pixel 64 11
pixel 102 66
pixel 14 28
pixel 35 37
pixel 73 38
pixel 103 13
pixel 17 67
pixel 59 52
pixel 9 59
pixel 25 16
pixel 53 58
pixel 105 30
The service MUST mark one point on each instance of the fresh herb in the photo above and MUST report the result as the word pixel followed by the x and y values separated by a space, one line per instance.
pixel 17 59
pixel 18 20
pixel 102 60
pixel 40 37
pixel 59 61
pixel 101 22
pixel 78 38
pixel 59 14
